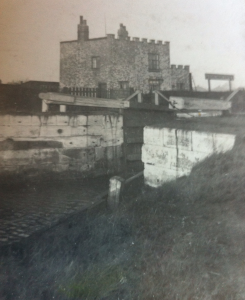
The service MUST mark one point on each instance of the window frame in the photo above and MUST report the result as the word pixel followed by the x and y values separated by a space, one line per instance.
pixel 158 82
pixel 121 83
pixel 180 86
pixel 153 62
pixel 95 59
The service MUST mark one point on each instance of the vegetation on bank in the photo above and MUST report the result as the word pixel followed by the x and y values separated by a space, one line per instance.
pixel 184 241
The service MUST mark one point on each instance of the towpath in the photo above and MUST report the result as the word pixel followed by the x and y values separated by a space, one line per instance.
pixel 29 206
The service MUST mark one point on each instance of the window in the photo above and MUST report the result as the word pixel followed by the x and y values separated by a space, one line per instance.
pixel 95 62
pixel 153 59
pixel 155 84
pixel 123 85
pixel 180 86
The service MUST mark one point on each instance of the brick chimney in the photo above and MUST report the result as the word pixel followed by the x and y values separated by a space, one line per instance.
pixel 82 30
pixel 122 32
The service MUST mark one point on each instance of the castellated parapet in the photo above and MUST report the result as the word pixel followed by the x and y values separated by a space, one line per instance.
pixel 111 60
pixel 110 36
pixel 180 79
pixel 180 67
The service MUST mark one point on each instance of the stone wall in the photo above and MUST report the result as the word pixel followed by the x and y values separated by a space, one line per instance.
pixel 91 144
pixel 119 60
pixel 171 153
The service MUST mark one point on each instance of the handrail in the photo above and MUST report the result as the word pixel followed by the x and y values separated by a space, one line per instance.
pixel 133 95
pixel 165 98
pixel 232 95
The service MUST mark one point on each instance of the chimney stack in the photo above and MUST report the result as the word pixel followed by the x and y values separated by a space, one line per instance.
pixel 122 32
pixel 82 30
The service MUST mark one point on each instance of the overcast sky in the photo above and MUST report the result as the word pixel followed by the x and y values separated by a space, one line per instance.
pixel 208 35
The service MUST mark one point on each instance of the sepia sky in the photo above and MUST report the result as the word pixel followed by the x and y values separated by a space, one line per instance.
pixel 208 35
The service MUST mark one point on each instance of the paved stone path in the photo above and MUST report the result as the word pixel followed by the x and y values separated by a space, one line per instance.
pixel 24 210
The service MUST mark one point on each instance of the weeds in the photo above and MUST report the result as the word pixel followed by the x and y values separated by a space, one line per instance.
pixel 95 283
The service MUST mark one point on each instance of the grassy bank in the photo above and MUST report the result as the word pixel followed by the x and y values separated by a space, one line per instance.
pixel 184 241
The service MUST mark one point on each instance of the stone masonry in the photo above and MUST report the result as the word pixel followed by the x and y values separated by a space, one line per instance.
pixel 86 143
pixel 180 79
pixel 169 153
pixel 137 63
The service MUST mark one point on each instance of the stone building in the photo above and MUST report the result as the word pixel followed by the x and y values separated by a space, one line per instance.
pixel 119 63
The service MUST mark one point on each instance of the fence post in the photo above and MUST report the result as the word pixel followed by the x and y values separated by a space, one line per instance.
pixel 156 98
pixel 139 97
pixel 62 108
pixel 115 191
pixel 44 106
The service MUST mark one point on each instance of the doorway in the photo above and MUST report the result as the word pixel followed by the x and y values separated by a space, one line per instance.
pixel 102 90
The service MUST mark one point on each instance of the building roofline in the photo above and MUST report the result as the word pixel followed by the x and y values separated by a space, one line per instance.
pixel 94 39
pixel 68 41
pixel 143 40
pixel 39 81
pixel 99 38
